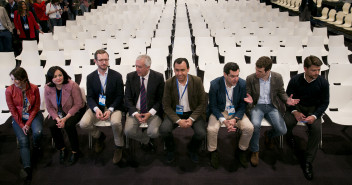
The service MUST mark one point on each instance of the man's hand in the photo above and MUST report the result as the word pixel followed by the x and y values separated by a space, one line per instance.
pixel 189 122
pixel 230 125
pixel 291 101
pixel 99 114
pixel 310 119
pixel 299 116
pixel 107 115
pixel 182 123
pixel 139 117
pixel 248 99
pixel 145 117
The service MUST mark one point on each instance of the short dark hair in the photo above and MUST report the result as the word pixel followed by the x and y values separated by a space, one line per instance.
pixel 312 60
pixel 99 51
pixel 180 60
pixel 50 75
pixel 264 62
pixel 230 66
pixel 20 74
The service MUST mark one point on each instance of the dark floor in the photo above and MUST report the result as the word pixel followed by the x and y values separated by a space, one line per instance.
pixel 333 164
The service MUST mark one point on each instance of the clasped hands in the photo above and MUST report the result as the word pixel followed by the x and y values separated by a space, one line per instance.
pixel 185 123
pixel 142 117
pixel 101 116
pixel 230 125
pixel 301 117
pixel 61 122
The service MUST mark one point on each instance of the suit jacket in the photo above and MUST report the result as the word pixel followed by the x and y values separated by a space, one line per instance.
pixel 5 20
pixel 114 90
pixel 196 98
pixel 10 10
pixel 217 97
pixel 276 89
pixel 155 90
pixel 71 99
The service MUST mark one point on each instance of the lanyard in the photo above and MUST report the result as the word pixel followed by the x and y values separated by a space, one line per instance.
pixel 24 18
pixel 58 100
pixel 227 94
pixel 102 87
pixel 178 91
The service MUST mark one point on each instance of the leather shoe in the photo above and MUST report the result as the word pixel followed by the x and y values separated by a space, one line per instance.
pixel 214 159
pixel 62 156
pixel 255 159
pixel 117 156
pixel 269 142
pixel 170 157
pixel 242 157
pixel 148 147
pixel 308 170
pixel 99 144
pixel 74 158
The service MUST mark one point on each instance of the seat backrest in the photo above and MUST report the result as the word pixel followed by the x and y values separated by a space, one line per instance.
pixel 339 74
pixel 346 8
pixel 8 59
pixel 338 54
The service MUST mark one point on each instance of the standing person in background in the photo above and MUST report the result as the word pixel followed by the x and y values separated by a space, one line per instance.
pixel 23 100
pixel 40 9
pixel 6 28
pixel 11 7
pixel 54 11
pixel 64 15
pixel 84 7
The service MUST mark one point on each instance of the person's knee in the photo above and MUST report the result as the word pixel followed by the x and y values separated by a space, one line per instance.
pixel 153 133
pixel 165 129
pixel 212 130
pixel 23 141
pixel 282 130
pixel 249 128
pixel 129 132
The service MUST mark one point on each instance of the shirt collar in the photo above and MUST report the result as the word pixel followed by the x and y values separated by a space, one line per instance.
pixel 105 74
pixel 229 87
pixel 304 76
pixel 268 78
pixel 146 77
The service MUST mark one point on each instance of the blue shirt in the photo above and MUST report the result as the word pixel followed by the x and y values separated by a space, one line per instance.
pixel 264 97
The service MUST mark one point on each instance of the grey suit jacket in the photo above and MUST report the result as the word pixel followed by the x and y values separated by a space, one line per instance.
pixel 5 20
pixel 277 89
pixel 196 98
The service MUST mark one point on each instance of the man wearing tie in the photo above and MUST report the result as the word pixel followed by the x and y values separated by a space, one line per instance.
pixel 184 105
pixel 143 98
pixel 105 101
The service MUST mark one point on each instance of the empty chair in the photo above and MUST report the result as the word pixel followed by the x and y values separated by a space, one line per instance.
pixel 346 8
pixel 235 54
pixel 258 52
pixel 79 58
pixel 338 55
pixel 287 55
pixel 225 43
pixel 49 45
pixel 138 44
pixel 158 56
pixel 317 41
pixel 82 36
pixel 324 14
pixel 284 70
pixel 331 16
pixel 42 37
pixel 339 74
pixel 322 32
pixel 128 57
pixel 8 59
pixel 339 110
pixel 114 45
pixel 348 22
pixel 212 71
pixel 63 36
pixel 249 42
pixel 30 58
pixel 124 69
pixel 70 45
pixel 161 42
pixel 339 18
pixel 208 56
pixel 92 45
pixel 54 58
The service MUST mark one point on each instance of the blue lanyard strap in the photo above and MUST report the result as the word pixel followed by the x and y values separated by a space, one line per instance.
pixel 58 100
pixel 102 87
pixel 227 95
pixel 178 91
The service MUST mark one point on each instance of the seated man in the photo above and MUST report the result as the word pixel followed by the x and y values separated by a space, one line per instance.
pixel 264 87
pixel 105 101
pixel 184 105
pixel 227 106
pixel 313 92
pixel 144 92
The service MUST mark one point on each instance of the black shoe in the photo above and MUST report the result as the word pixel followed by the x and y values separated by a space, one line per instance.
pixel 170 157
pixel 74 158
pixel 62 156
pixel 242 157
pixel 308 170
pixel 214 159
pixel 99 144
pixel 193 156
pixel 149 147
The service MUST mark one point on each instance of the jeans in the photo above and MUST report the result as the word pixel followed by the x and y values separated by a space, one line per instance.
pixel 273 116
pixel 23 140
pixel 5 41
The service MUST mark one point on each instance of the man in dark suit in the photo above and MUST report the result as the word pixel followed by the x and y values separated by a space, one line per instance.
pixel 184 105
pixel 227 106
pixel 105 101
pixel 313 92
pixel 143 98
pixel 264 87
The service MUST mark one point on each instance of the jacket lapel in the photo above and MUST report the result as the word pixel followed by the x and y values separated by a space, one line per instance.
pixel 223 89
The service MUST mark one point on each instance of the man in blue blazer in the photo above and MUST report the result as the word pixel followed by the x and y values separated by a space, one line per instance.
pixel 105 100
pixel 227 107
pixel 144 92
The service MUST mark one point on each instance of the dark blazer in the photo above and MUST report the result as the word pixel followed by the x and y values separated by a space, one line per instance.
pixel 10 10
pixel 217 97
pixel 276 89
pixel 155 88
pixel 114 90
pixel 196 98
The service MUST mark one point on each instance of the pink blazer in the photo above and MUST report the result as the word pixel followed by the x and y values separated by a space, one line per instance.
pixel 71 99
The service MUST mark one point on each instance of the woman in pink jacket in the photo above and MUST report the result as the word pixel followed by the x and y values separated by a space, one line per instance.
pixel 65 105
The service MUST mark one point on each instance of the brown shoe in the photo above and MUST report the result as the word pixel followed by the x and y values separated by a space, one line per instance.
pixel 269 142
pixel 117 156
pixel 255 159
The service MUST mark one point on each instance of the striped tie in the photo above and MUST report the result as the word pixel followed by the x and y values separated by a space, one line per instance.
pixel 143 98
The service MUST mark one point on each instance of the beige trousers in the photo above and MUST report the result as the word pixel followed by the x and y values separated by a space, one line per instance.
pixel 133 131
pixel 244 125
pixel 89 119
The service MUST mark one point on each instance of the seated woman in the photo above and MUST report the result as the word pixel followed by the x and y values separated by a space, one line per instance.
pixel 65 105
pixel 23 100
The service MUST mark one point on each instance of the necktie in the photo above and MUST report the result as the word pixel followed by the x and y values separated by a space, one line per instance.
pixel 143 98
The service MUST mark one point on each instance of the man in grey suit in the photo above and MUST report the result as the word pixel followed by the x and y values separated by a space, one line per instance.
pixel 143 98
pixel 264 87
pixel 6 28
pixel 184 105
